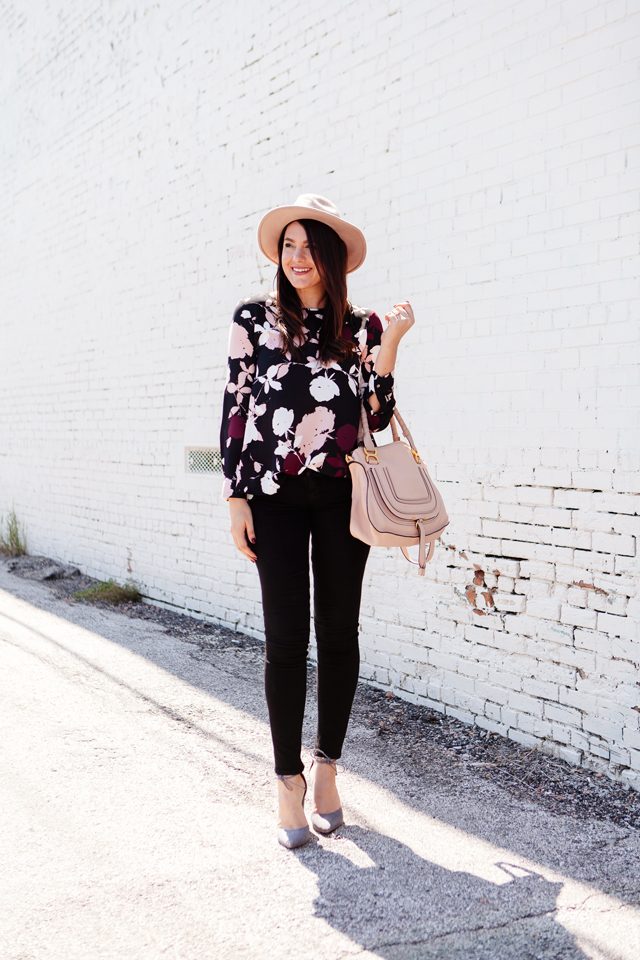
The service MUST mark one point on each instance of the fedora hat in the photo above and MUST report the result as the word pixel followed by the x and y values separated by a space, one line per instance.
pixel 309 206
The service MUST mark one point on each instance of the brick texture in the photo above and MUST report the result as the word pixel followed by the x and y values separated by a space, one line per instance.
pixel 490 151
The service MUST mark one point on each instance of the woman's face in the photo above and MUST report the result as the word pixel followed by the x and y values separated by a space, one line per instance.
pixel 299 268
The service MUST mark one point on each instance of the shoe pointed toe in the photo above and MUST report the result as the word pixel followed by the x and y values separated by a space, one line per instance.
pixel 327 822
pixel 293 838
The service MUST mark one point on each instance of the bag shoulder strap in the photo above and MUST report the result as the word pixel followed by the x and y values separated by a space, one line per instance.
pixel 363 426
pixel 364 433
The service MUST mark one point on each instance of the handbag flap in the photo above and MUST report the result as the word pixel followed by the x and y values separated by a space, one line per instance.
pixel 401 486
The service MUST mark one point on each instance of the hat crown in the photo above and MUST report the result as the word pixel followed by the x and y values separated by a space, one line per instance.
pixel 316 202
pixel 311 206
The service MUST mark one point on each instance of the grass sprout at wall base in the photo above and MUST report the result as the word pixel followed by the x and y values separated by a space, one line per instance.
pixel 15 543
pixel 110 592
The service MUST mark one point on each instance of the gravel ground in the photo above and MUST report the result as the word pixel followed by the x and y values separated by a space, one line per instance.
pixel 429 742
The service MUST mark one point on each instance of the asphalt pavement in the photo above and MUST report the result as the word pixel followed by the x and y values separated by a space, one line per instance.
pixel 138 814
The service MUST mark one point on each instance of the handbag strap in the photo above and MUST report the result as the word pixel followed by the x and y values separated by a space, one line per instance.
pixel 423 556
pixel 405 429
pixel 364 434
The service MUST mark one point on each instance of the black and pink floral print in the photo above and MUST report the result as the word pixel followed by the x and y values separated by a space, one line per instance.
pixel 284 416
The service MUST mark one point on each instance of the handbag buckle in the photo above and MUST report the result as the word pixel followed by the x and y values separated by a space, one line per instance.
pixel 371 456
pixel 348 459
pixel 416 455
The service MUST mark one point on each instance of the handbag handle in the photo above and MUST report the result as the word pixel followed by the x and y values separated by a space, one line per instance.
pixel 364 434
pixel 368 439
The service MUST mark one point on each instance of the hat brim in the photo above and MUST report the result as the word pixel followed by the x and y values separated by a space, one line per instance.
pixel 274 222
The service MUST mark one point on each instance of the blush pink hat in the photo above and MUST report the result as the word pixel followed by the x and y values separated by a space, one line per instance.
pixel 309 206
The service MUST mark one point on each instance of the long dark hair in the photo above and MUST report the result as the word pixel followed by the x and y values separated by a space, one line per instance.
pixel 329 254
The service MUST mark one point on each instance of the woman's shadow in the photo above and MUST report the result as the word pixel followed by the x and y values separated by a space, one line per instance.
pixel 381 895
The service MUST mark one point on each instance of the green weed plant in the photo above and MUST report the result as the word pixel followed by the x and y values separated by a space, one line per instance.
pixel 110 592
pixel 14 544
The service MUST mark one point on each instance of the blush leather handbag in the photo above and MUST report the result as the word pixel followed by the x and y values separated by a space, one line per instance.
pixel 394 503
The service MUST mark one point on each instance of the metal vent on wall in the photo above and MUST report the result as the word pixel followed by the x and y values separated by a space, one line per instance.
pixel 203 460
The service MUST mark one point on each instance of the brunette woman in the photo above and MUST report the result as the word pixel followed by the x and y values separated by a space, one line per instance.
pixel 299 361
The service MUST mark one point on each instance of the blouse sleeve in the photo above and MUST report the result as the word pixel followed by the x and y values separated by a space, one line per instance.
pixel 242 369
pixel 374 384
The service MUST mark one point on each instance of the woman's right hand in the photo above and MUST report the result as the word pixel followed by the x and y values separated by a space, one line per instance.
pixel 242 526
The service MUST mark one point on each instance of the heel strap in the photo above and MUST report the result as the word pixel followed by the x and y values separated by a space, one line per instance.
pixel 321 757
pixel 286 777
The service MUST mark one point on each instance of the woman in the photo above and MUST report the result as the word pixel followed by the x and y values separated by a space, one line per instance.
pixel 299 361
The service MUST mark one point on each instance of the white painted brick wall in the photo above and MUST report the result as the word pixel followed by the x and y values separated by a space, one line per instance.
pixel 490 151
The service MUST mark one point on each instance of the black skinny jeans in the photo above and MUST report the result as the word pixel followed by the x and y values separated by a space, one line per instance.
pixel 309 505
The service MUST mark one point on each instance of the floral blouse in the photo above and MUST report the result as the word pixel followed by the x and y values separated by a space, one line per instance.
pixel 285 416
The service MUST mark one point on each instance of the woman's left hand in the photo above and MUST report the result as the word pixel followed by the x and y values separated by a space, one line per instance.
pixel 400 319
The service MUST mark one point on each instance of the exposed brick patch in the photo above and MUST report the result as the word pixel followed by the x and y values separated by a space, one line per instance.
pixel 518 648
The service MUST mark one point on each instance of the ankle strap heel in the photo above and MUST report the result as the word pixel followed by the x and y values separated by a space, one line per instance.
pixel 326 823
pixel 293 838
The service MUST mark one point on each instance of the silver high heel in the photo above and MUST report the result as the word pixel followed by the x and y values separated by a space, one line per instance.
pixel 301 835
pixel 327 822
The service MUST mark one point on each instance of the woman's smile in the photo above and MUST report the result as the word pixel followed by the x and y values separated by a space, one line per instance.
pixel 299 268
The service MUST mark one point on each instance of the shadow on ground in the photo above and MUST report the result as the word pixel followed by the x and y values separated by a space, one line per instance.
pixel 439 912
pixel 442 913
